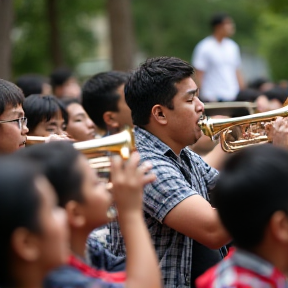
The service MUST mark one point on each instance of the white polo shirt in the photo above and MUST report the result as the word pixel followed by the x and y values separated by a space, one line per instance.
pixel 219 62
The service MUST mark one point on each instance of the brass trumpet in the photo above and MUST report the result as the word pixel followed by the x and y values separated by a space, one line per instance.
pixel 239 132
pixel 98 150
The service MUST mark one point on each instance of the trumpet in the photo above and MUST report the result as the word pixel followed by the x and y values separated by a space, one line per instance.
pixel 239 132
pixel 98 151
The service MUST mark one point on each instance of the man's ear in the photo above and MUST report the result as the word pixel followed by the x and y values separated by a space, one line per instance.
pixel 110 119
pixel 25 244
pixel 278 226
pixel 75 214
pixel 158 114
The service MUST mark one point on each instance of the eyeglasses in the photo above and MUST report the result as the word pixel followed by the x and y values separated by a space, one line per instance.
pixel 21 122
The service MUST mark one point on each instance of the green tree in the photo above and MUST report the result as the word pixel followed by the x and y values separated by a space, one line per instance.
pixel 168 27
pixel 32 40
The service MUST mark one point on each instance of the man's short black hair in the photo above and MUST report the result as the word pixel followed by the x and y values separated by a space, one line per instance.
pixel 99 95
pixel 252 186
pixel 10 94
pixel 218 18
pixel 40 108
pixel 59 76
pixel 31 84
pixel 154 83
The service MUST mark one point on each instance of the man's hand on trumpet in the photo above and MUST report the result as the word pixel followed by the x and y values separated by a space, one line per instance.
pixel 277 132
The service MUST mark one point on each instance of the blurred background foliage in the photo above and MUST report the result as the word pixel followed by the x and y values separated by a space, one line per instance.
pixel 162 27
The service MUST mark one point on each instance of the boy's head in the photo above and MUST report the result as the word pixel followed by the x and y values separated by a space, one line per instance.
pixel 33 228
pixel 13 129
pixel 46 115
pixel 64 84
pixel 251 196
pixel 33 84
pixel 78 188
pixel 79 126
pixel 104 100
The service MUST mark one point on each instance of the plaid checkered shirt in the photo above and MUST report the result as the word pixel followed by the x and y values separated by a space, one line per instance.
pixel 242 269
pixel 178 177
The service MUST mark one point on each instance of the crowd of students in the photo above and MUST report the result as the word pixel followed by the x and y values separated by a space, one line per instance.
pixel 56 229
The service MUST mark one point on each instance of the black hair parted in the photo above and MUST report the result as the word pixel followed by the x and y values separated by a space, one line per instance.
pixel 19 207
pixel 154 83
pixel 40 108
pixel 252 186
pixel 99 95
pixel 58 160
pixel 10 94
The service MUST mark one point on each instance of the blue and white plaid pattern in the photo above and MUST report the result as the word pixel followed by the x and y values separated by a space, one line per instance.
pixel 177 178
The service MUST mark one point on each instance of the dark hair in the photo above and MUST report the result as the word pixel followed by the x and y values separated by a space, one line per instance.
pixel 10 94
pixel 99 95
pixel 59 76
pixel 31 84
pixel 68 101
pixel 59 162
pixel 258 82
pixel 277 93
pixel 40 108
pixel 19 207
pixel 154 83
pixel 218 18
pixel 252 186
pixel 248 94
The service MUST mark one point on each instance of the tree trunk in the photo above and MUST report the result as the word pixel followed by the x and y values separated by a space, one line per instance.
pixel 54 41
pixel 121 34
pixel 6 21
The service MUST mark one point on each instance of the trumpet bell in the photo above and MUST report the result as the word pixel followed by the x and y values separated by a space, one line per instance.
pixel 122 143
pixel 98 151
pixel 239 132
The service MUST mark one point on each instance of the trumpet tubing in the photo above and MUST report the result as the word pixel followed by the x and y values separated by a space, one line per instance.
pixel 239 132
pixel 96 150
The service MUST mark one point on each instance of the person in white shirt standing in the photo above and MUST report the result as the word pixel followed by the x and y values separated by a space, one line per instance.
pixel 217 61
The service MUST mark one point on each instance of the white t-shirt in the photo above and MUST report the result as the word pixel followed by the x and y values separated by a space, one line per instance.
pixel 219 62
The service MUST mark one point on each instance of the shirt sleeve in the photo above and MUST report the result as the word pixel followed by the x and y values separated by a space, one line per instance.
pixel 199 59
pixel 167 191
pixel 209 173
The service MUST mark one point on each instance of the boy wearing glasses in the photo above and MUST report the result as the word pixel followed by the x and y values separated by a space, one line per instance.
pixel 13 129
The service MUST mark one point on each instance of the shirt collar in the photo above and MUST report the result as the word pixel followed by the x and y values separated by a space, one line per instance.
pixel 161 147
pixel 254 263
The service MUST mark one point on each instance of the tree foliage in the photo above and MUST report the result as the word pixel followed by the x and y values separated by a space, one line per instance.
pixel 162 27
pixel 31 34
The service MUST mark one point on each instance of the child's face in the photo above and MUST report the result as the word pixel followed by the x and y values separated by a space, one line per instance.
pixel 11 136
pixel 53 240
pixel 97 199
pixel 80 127
pixel 55 125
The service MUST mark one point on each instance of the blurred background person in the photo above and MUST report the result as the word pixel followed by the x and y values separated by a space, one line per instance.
pixel 34 84
pixel 86 202
pixel 104 101
pixel 252 201
pixel 46 115
pixel 217 62
pixel 65 84
pixel 79 126
pixel 34 231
